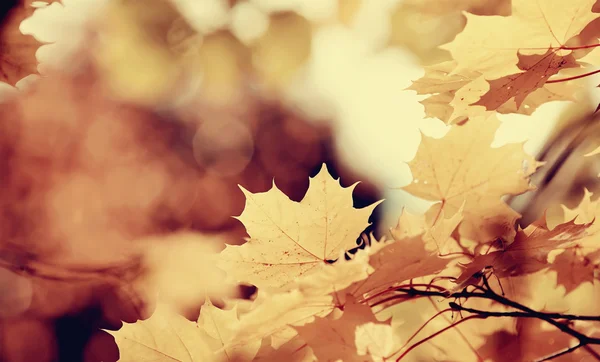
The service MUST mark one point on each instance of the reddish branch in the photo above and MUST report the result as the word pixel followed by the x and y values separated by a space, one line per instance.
pixel 520 310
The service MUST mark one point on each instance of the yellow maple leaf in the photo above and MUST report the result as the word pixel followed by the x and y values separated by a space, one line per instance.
pixel 334 338
pixel 317 293
pixel 289 239
pixel 435 237
pixel 462 168
pixel 489 44
pixel 166 336
pixel 274 315
pixel 221 325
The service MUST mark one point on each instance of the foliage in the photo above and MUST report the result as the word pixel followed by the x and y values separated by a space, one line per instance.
pixel 327 289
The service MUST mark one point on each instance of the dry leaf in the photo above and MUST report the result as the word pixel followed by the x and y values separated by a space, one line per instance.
pixel 462 169
pixel 376 340
pixel 166 336
pixel 333 339
pixel 220 325
pixel 289 239
pixel 489 44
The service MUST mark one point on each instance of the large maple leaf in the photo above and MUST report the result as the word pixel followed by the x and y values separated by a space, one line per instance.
pixel 288 239
pixel 462 170
pixel 167 336
pixel 332 339
pixel 489 44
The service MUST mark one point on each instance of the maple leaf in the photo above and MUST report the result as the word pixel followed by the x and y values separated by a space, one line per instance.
pixel 436 237
pixel 376 339
pixel 295 350
pixel 315 294
pixel 527 254
pixel 572 269
pixel 289 239
pixel 457 96
pixel 586 213
pixel 474 175
pixel 221 325
pixel 534 27
pixel 333 339
pixel 536 71
pixel 166 336
pixel 397 261
pixel 275 314
pixel 17 51
pixel 531 341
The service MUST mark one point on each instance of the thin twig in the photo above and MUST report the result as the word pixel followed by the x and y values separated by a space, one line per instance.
pixel 437 334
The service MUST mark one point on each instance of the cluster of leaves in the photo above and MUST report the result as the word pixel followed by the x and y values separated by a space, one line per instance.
pixel 322 298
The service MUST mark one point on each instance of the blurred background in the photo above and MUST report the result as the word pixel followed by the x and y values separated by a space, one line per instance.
pixel 126 122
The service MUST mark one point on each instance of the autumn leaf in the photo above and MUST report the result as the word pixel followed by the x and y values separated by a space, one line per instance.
pixel 586 213
pixel 166 336
pixel 315 294
pixel 573 269
pixel 275 314
pixel 489 44
pixel 536 69
pixel 375 339
pixel 334 338
pixel 456 96
pixel 289 239
pixel 295 350
pixel 462 168
pixel 397 261
pixel 220 325
pixel 503 63
pixel 436 237
pixel 17 51
pixel 527 254
pixel 531 341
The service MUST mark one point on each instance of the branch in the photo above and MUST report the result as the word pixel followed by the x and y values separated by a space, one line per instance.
pixel 486 292
pixel 571 317
pixel 573 77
